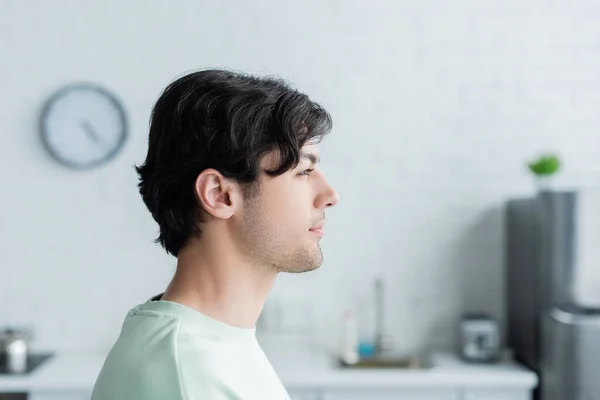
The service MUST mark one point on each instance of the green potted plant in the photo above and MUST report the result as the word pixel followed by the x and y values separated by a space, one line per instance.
pixel 544 168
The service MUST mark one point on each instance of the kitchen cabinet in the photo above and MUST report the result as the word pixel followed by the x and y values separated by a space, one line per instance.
pixel 303 394
pixel 294 395
pixel 60 395
pixel 352 394
pixel 392 394
pixel 497 394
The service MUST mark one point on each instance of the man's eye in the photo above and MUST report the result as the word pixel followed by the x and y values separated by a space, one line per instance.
pixel 306 171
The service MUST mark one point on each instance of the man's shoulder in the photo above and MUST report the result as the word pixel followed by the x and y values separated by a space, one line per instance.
pixel 159 366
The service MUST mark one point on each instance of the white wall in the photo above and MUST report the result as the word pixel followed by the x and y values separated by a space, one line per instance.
pixel 437 105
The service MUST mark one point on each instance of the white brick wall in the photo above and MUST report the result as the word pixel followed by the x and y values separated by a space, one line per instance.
pixel 436 104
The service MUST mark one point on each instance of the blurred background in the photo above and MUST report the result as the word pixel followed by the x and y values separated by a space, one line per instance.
pixel 438 108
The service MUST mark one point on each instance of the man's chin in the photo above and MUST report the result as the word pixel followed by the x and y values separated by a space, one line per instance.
pixel 305 268
pixel 303 262
pixel 309 265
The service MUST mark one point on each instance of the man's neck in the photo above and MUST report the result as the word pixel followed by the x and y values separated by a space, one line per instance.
pixel 220 286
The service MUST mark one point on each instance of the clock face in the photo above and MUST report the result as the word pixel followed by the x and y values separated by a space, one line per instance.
pixel 83 126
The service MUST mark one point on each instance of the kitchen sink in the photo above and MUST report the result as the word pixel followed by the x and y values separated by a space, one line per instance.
pixel 389 361
pixel 383 355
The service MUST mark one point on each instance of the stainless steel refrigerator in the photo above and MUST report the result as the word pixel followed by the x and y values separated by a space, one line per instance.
pixel 553 290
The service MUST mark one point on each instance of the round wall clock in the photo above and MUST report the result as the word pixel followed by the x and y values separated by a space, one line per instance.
pixel 83 125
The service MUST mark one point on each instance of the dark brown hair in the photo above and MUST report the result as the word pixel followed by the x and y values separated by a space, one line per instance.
pixel 222 120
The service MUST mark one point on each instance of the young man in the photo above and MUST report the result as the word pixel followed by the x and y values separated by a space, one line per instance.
pixel 232 179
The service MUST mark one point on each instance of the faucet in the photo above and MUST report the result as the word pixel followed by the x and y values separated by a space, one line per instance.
pixel 381 344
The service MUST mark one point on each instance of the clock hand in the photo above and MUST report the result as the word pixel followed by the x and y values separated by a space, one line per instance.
pixel 90 131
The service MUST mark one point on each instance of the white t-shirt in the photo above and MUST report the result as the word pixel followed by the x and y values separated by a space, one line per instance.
pixel 167 351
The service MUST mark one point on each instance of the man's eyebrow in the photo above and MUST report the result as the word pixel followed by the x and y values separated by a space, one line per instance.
pixel 311 157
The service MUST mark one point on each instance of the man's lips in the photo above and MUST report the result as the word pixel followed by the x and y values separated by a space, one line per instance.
pixel 317 230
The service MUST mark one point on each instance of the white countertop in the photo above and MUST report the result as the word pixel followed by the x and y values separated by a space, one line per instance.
pixel 78 372
pixel 448 371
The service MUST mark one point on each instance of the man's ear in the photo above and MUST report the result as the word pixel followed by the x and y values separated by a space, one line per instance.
pixel 217 195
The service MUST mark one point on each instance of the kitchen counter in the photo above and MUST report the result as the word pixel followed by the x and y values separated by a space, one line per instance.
pixel 62 372
pixel 448 371
pixel 78 372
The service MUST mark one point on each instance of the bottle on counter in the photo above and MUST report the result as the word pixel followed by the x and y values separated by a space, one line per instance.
pixel 349 338
pixel 13 349
pixel 16 356
pixel 369 313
